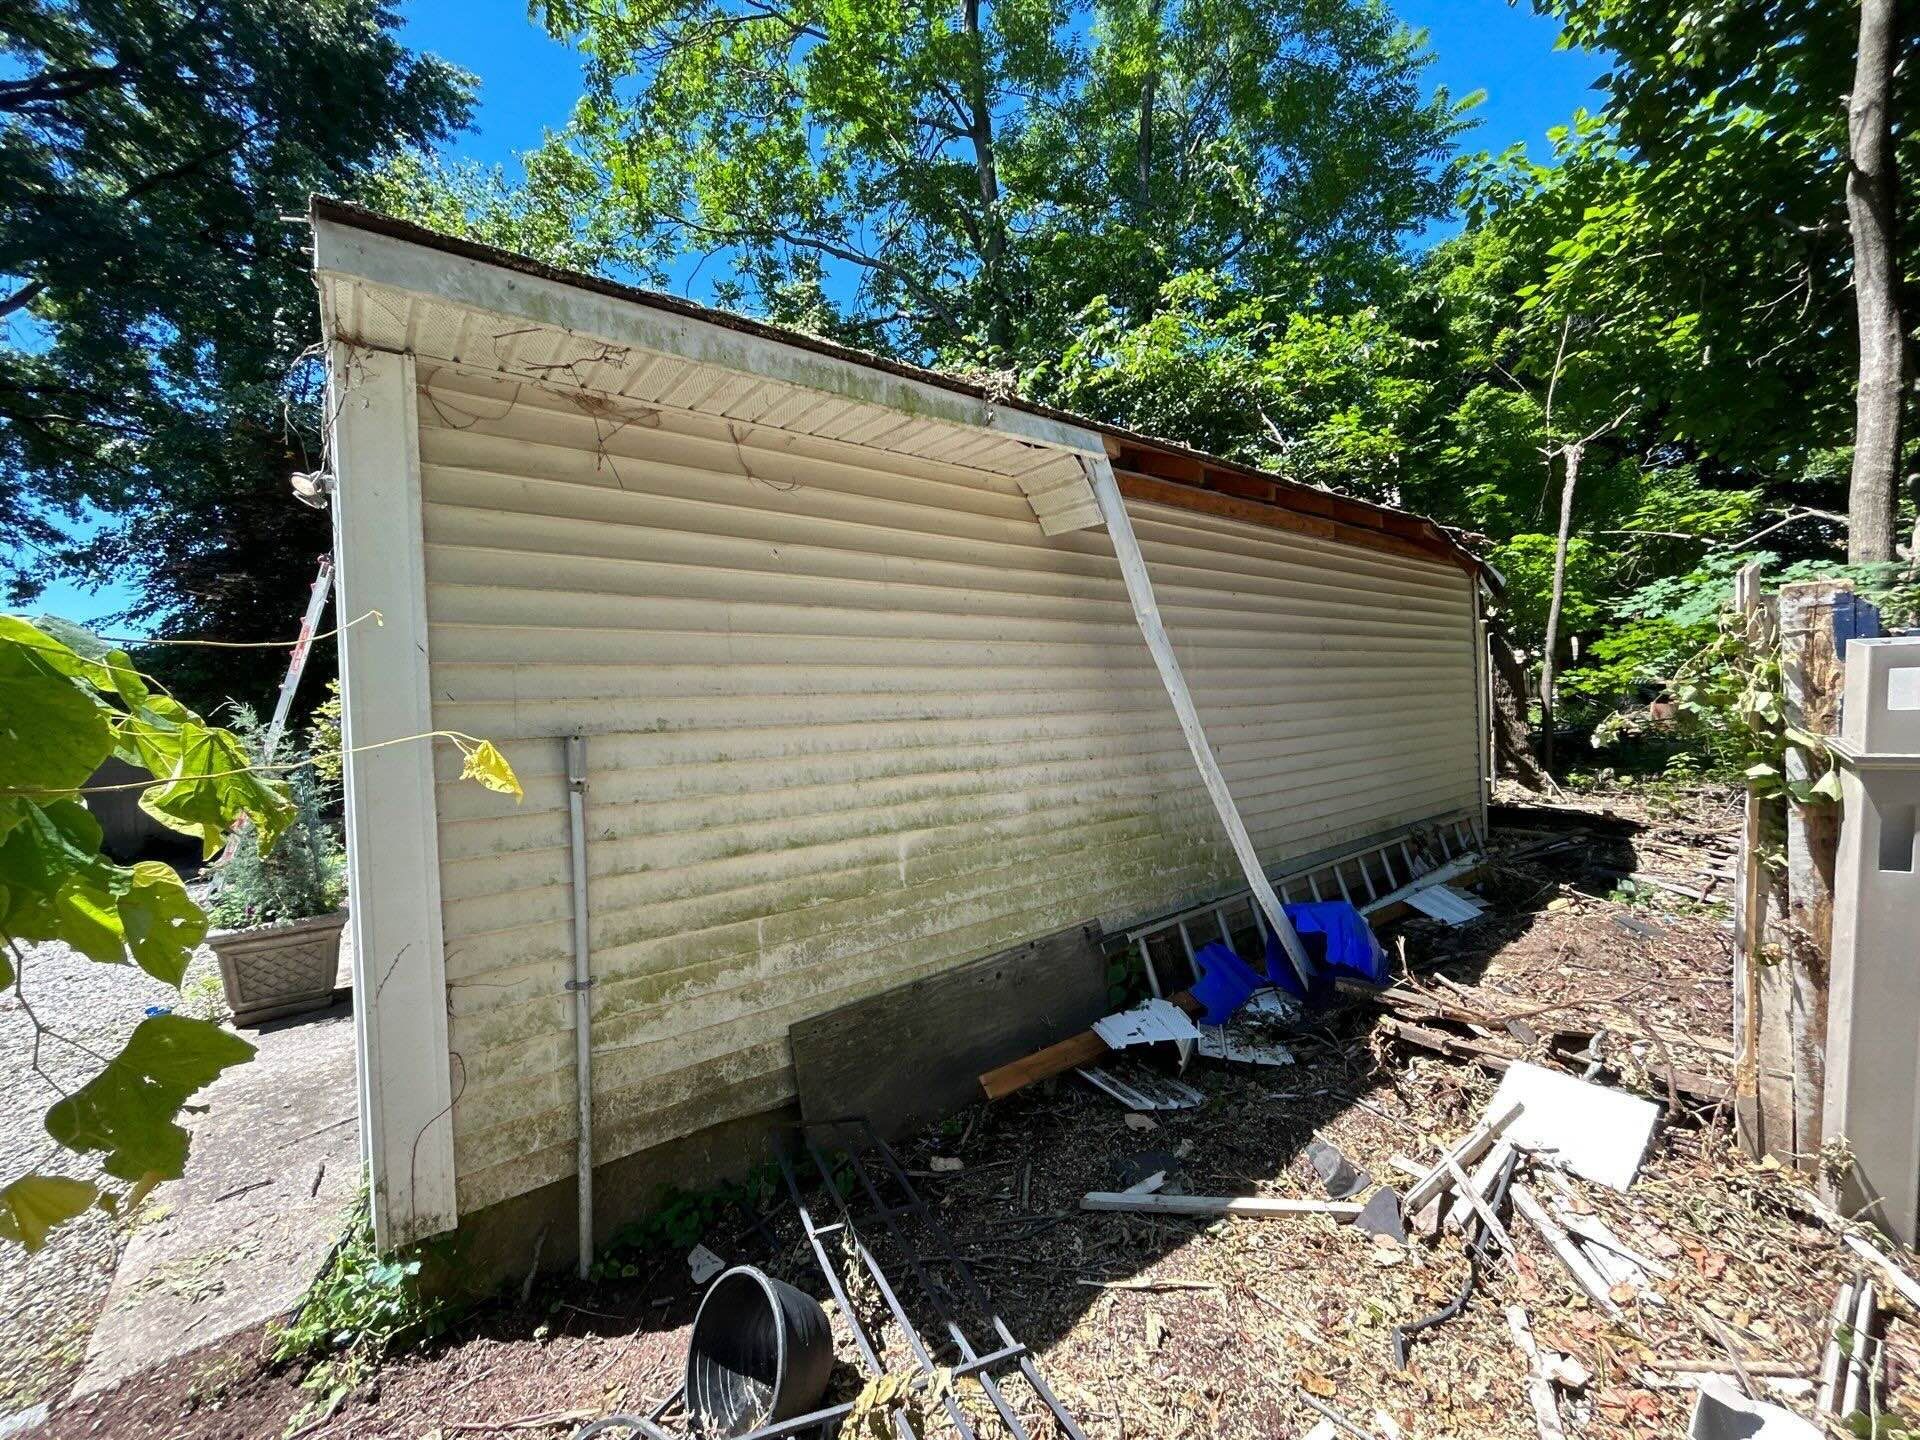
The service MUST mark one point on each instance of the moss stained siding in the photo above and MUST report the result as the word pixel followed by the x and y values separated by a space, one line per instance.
pixel 852 719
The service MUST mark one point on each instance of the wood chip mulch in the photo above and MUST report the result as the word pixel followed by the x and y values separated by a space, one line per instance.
pixel 1154 1327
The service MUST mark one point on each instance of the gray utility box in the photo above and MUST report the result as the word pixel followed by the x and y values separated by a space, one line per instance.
pixel 1873 1017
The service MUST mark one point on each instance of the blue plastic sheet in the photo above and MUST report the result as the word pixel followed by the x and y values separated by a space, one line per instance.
pixel 1225 982
pixel 1352 947
pixel 1340 942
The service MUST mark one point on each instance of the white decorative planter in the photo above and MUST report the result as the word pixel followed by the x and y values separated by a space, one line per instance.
pixel 276 970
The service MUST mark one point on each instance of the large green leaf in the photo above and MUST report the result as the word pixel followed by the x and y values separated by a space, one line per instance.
pixel 128 1109
pixel 54 885
pixel 13 809
pixel 70 651
pixel 160 921
pixel 206 782
pixel 32 1205
pixel 58 887
pixel 53 735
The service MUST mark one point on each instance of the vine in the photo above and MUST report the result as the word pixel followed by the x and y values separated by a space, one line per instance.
pixel 68 702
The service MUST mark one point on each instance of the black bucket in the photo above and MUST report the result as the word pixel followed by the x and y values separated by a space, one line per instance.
pixel 761 1351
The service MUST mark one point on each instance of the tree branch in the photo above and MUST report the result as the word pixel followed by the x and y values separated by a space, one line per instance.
pixel 21 298
pixel 50 87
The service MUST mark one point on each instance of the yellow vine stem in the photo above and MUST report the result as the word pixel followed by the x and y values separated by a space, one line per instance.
pixel 128 641
pixel 485 764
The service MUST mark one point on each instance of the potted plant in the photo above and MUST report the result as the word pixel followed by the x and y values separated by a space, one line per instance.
pixel 280 913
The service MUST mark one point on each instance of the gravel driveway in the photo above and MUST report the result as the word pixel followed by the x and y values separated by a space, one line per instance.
pixel 50 1301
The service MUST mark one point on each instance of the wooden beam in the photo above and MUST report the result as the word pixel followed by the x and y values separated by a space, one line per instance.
pixel 1273 516
pixel 1578 1266
pixel 1085 1048
pixel 1247 1207
pixel 1469 1148
pixel 1163 464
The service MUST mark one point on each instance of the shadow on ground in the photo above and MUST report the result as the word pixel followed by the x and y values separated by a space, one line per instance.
pixel 1086 1293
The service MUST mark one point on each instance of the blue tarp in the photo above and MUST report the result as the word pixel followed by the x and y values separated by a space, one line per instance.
pixel 1338 942
pixel 1225 982
pixel 1338 938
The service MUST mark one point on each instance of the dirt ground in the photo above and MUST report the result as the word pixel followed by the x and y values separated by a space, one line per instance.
pixel 1158 1327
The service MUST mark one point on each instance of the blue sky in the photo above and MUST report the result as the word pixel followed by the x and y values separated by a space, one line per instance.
pixel 528 84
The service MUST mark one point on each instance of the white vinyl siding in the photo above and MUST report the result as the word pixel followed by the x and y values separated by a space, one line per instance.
pixel 851 718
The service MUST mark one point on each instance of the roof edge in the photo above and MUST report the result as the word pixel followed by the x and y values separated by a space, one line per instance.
pixel 1168 462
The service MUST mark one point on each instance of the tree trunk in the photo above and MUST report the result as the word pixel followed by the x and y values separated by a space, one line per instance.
pixel 1873 496
pixel 1512 736
pixel 1143 157
pixel 992 229
pixel 1570 455
pixel 1143 146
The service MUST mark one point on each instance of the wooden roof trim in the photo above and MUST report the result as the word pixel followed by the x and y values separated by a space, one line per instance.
pixel 1209 473
pixel 1277 516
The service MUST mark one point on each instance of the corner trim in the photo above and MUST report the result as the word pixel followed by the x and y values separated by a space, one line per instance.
pixel 393 846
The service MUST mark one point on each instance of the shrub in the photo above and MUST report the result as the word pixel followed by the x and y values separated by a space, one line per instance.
pixel 303 875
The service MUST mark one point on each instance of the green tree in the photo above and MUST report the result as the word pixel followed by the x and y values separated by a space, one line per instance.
pixel 984 169
pixel 1735 116
pixel 151 406
pixel 1322 397
pixel 555 210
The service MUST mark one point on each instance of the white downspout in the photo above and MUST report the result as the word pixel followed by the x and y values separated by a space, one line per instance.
pixel 1146 611
pixel 582 987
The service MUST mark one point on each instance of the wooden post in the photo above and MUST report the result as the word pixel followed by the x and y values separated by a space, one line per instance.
pixel 1781 1015
pixel 1812 681
pixel 1751 886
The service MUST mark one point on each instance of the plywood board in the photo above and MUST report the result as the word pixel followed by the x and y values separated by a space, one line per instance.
pixel 1595 1131
pixel 913 1055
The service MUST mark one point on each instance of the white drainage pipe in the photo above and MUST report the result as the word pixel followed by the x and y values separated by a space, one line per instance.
pixel 582 987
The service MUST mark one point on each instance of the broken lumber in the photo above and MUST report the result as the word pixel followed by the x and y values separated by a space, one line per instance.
pixel 1584 1275
pixel 1496 1058
pixel 1546 1406
pixel 1086 1048
pixel 1426 1220
pixel 1595 1232
pixel 1251 1207
pixel 1483 1210
pixel 1467 1150
pixel 1482 1180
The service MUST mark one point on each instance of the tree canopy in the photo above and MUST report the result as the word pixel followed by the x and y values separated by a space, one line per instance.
pixel 155 156
pixel 1203 218
pixel 983 171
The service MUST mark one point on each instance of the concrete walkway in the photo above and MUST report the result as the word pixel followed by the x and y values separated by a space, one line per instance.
pixel 275 1164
